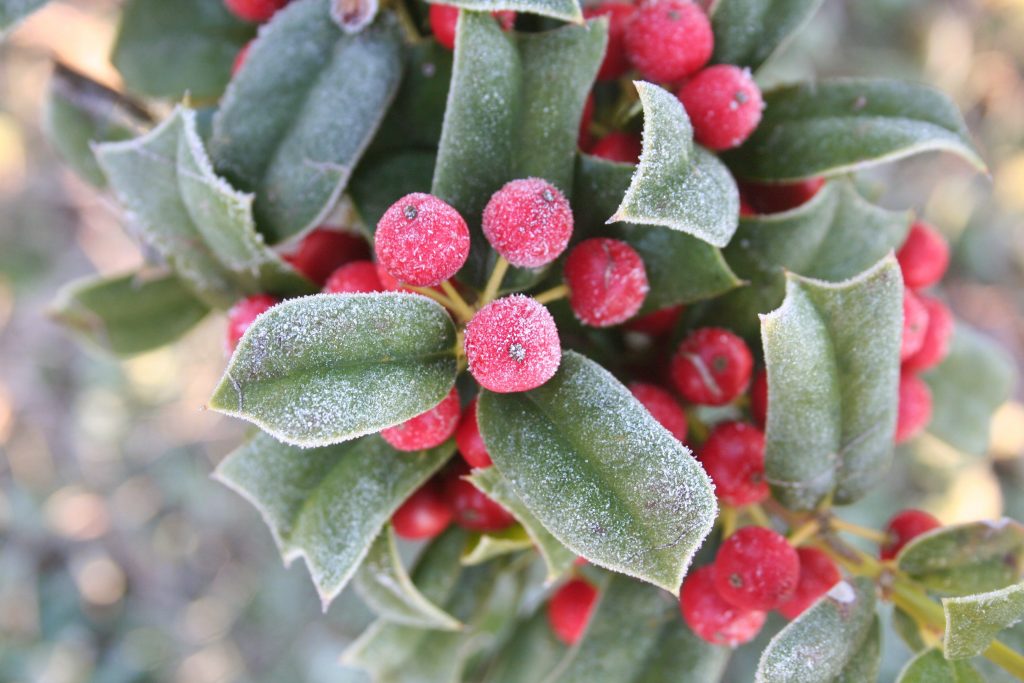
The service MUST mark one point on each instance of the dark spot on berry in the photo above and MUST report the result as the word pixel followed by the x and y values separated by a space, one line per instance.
pixel 735 581
pixel 547 196
pixel 719 363
pixel 410 212
pixel 516 352
pixel 673 15
pixel 741 97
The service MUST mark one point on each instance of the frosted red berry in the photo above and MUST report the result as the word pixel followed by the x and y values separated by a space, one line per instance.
pixel 657 323
pixel 778 197
pixel 443 20
pixel 759 398
pixel 915 325
pixel 724 105
pixel 428 429
pixel 468 439
pixel 472 509
pixel 904 527
pixel 351 278
pixel 923 257
pixel 528 221
pixel 618 146
pixel 712 366
pixel 662 407
pixel 254 10
pixel 323 250
pixel 424 514
pixel 512 345
pixel 733 456
pixel 712 618
pixel 615 63
pixel 607 281
pixel 242 315
pixel 668 40
pixel 240 58
pixel 935 345
pixel 421 240
pixel 756 568
pixel 818 573
pixel 915 407
pixel 570 608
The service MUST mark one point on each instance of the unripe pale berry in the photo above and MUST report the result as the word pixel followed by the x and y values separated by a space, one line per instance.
pixel 759 398
pixel 668 40
pixel 923 257
pixel 428 429
pixel 733 456
pixel 472 509
pixel 935 346
pixel 724 105
pixel 756 568
pixel 615 63
pixel 242 315
pixel 904 527
pixel 662 407
pixel 468 439
pixel 351 278
pixel 570 608
pixel 528 221
pixel 778 197
pixel 915 325
pixel 421 240
pixel 512 345
pixel 656 323
pixel 254 10
pixel 818 573
pixel 424 514
pixel 712 618
pixel 712 366
pixel 915 407
pixel 324 250
pixel 607 281
pixel 618 146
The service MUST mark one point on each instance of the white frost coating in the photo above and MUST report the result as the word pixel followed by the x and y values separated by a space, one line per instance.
pixel 972 622
pixel 842 592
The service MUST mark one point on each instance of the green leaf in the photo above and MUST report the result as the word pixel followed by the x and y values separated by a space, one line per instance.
pixel 821 643
pixel 835 126
pixel 566 10
pixel 13 11
pixel 331 367
pixel 487 546
pixel 168 49
pixel 191 217
pixel 864 664
pixel 972 622
pixel 421 97
pixel 609 482
pixel 908 630
pixel 298 116
pixel 327 505
pixel 384 586
pixel 832 355
pixel 530 654
pixel 931 667
pixel 748 32
pixel 635 635
pixel 966 558
pixel 514 107
pixel 967 387
pixel 557 557
pixel 379 182
pixel 128 314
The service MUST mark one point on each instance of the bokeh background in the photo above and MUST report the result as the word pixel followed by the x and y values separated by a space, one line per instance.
pixel 120 560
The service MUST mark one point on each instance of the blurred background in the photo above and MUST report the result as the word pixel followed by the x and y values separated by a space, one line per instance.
pixel 120 560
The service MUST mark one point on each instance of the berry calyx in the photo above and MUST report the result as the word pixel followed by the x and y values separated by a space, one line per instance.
pixel 756 568
pixel 355 277
pixel 759 398
pixel 668 40
pixel 618 146
pixel 657 323
pixel 468 439
pixel 935 346
pixel 724 105
pixel 778 197
pixel 570 608
pixel 923 257
pixel 424 514
pixel 818 573
pixel 324 250
pixel 607 281
pixel 733 456
pixel 904 527
pixel 428 429
pixel 712 366
pixel 915 407
pixel 512 345
pixel 712 618
pixel 254 10
pixel 421 240
pixel 243 314
pixel 471 507
pixel 662 407
pixel 528 221
pixel 915 325
pixel 615 63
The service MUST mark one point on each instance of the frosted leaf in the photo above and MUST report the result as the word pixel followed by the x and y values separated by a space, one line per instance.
pixel 566 10
pixel 972 622
pixel 748 32
pixel 13 11
pixel 931 667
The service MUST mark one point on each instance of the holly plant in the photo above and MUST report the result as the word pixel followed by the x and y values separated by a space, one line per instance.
pixel 555 299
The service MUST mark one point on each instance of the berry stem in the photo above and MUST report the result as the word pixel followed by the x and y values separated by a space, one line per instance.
pixel 757 513
pixel 464 310
pixel 436 296
pixel 804 532
pixel 405 20
pixel 872 535
pixel 553 294
pixel 998 653
pixel 728 519
pixel 494 282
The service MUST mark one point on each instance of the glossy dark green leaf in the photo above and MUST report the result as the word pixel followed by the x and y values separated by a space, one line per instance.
pixel 592 465
pixel 835 126
pixel 301 111
pixel 168 49
pixel 128 314
pixel 13 11
pixel 931 667
pixel 566 10
pixel 973 621
pixel 380 181
pixel 748 32
pixel 327 505
pixel 327 368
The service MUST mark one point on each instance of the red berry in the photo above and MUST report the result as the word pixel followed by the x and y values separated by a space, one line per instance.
pixel 472 509
pixel 615 63
pixel 506 19
pixel 570 608
pixel 923 257
pixel 424 514
pixel 915 325
pixel 657 323
pixel 905 526
pixel 733 456
pixel 586 139
pixel 818 573
pixel 746 210
pixel 618 146
pixel 668 40
pixel 660 404
pixel 778 197
pixel 756 568
pixel 712 366
pixel 240 58
pixel 512 344
pixel 242 315
pixel 421 240
pixel 935 346
pixel 724 104
pixel 254 10
pixel 323 250
pixel 607 281
pixel 759 398
pixel 443 20
pixel 711 617
pixel 915 407
pixel 358 276
pixel 528 221
pixel 468 439
pixel 428 429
